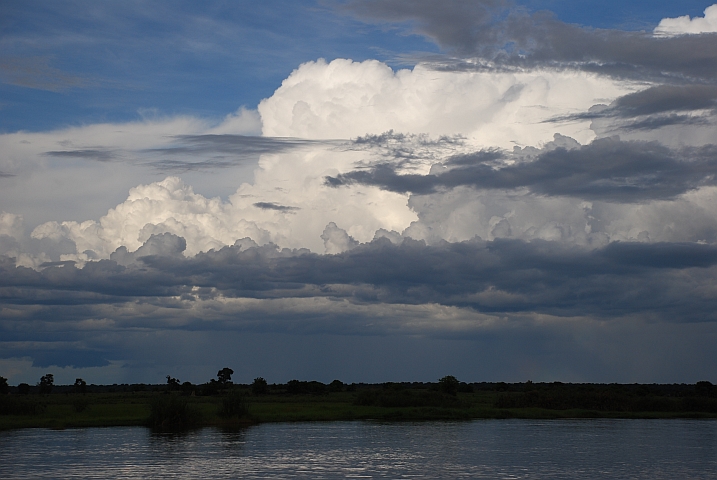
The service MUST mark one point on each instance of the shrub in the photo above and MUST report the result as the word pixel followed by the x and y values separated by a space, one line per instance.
pixel 234 404
pixel 172 412
pixel 259 386
pixel 449 385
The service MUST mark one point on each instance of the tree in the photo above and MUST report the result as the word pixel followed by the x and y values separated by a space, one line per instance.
pixel 172 383
pixel 23 388
pixel 259 386
pixel 448 384
pixel 46 383
pixel 80 386
pixel 225 375
pixel 4 387
pixel 703 388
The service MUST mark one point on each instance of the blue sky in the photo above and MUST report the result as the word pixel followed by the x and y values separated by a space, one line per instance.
pixel 71 63
pixel 369 190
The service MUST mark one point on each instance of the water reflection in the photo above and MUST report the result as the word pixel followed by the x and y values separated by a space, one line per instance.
pixel 481 449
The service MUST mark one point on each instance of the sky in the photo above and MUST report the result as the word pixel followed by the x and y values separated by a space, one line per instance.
pixel 362 190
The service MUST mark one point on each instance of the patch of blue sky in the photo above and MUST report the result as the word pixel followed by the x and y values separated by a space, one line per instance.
pixel 70 63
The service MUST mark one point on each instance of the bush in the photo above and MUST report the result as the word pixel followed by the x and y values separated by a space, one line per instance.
pixel 336 386
pixel 259 386
pixel 296 387
pixel 172 412
pixel 448 385
pixel 233 405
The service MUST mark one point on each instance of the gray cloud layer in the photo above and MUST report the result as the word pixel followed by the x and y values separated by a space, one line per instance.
pixel 529 300
pixel 608 169
pixel 665 280
pixel 195 152
pixel 496 31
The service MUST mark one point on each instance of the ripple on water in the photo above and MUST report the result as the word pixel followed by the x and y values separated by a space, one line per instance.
pixel 506 449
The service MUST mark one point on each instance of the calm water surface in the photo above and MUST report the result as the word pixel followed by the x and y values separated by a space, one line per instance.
pixel 500 449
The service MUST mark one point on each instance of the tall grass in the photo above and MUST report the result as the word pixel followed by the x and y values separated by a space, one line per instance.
pixel 12 405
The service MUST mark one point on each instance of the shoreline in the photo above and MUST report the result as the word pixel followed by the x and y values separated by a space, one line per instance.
pixel 174 410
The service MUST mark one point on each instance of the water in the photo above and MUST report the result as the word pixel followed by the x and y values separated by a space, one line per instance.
pixel 496 449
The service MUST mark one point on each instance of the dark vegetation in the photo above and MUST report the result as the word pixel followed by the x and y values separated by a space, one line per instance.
pixel 180 405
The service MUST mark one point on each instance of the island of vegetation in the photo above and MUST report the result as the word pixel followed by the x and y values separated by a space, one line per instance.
pixel 220 402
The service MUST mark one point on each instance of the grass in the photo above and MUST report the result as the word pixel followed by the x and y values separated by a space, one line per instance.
pixel 141 408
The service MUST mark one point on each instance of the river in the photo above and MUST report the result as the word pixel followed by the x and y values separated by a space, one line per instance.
pixel 495 449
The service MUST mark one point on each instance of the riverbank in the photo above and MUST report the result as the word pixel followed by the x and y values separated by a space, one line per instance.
pixel 391 402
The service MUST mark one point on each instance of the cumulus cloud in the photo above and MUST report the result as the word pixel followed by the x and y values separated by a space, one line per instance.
pixel 345 99
pixel 446 151
pixel 686 25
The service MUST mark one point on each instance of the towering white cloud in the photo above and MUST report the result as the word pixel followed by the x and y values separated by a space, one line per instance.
pixel 288 202
pixel 345 99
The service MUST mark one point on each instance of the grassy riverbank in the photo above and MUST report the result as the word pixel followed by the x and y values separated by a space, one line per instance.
pixel 237 405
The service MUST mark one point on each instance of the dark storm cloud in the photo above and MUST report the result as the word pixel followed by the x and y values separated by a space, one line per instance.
pixel 500 33
pixel 669 281
pixel 196 152
pixel 655 122
pixel 667 98
pixel 55 352
pixel 607 169
pixel 656 107
pixel 275 206
pixel 233 144
pixel 220 151
pixel 98 154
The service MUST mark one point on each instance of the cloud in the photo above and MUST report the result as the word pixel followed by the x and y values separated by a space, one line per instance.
pixel 667 98
pixel 97 164
pixel 490 34
pixel 219 151
pixel 607 169
pixel 666 281
pixel 345 99
pixel 336 240
pixel 274 206
pixel 508 295
pixel 684 25
pixel 89 154
pixel 685 107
